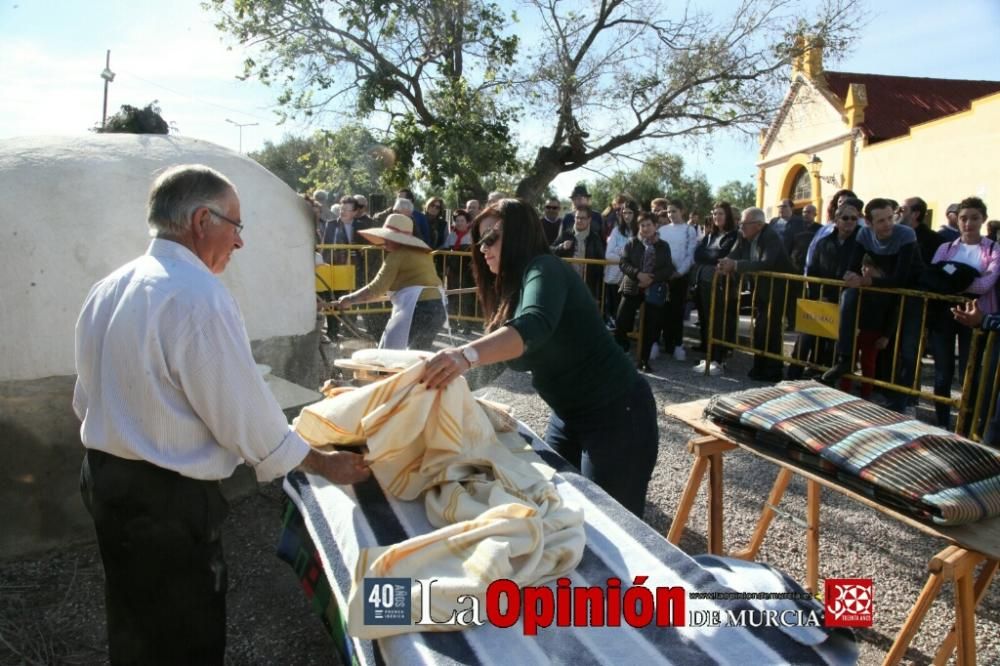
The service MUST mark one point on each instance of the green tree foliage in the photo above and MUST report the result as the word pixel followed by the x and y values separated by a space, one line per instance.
pixel 662 175
pixel 448 79
pixel 290 160
pixel 739 195
pixel 431 69
pixel 133 120
pixel 345 161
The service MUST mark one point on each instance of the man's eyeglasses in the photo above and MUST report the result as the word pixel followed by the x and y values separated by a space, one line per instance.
pixel 236 223
pixel 747 224
pixel 552 208
pixel 849 218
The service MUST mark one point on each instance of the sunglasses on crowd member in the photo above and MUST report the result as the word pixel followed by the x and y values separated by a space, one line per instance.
pixel 552 208
pixel 849 218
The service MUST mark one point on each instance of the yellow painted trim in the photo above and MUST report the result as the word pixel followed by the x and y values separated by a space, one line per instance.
pixel 848 161
pixel 792 166
pixel 761 182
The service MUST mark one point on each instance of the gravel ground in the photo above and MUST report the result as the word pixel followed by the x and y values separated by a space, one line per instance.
pixel 51 606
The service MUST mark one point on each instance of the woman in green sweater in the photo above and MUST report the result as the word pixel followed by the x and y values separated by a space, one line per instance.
pixel 541 317
pixel 409 277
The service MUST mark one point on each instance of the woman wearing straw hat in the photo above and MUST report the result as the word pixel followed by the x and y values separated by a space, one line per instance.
pixel 408 276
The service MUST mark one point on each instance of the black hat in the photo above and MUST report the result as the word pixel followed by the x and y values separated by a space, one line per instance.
pixel 580 191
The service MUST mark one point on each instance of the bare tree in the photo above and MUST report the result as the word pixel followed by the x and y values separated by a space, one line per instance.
pixel 448 79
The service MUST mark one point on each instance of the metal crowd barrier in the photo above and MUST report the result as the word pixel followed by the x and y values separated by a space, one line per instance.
pixel 976 405
pixel 456 277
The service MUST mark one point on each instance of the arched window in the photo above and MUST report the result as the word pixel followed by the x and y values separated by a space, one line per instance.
pixel 802 188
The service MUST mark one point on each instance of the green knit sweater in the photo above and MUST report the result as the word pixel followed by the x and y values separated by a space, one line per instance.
pixel 575 364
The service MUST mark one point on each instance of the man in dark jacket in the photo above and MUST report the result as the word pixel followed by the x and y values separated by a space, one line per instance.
pixel 583 241
pixel 913 212
pixel 759 249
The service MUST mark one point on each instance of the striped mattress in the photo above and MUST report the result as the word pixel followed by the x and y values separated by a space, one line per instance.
pixel 916 468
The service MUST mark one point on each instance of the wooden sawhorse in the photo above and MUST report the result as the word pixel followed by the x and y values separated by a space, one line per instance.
pixel 957 563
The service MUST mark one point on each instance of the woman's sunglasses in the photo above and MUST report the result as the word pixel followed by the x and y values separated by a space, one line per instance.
pixel 491 237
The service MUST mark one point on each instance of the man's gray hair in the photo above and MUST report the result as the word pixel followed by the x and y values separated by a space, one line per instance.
pixel 181 190
pixel 403 205
pixel 754 214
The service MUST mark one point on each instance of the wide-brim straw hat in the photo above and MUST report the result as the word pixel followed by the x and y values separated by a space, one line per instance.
pixel 397 228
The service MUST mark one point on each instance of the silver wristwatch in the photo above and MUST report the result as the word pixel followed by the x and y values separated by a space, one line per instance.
pixel 471 355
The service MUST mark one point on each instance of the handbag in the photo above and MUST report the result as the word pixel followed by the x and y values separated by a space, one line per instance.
pixel 656 293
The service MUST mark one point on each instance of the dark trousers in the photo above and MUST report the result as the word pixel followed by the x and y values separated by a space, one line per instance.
pixel 160 536
pixel 615 446
pixel 625 322
pixel 768 330
pixel 942 334
pixel 726 318
pixel 428 318
pixel 907 343
pixel 673 318
pixel 611 300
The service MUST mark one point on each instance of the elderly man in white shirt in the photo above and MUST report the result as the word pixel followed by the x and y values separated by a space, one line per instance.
pixel 171 402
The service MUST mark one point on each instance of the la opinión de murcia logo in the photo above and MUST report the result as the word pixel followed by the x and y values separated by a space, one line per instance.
pixel 388 601
pixel 850 602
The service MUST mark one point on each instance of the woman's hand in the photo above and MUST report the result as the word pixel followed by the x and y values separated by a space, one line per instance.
pixel 644 279
pixel 342 303
pixel 444 367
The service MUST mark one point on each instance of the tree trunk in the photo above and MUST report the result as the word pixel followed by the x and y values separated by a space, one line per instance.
pixel 548 164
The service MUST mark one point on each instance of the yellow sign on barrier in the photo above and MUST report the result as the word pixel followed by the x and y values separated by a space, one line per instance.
pixel 334 278
pixel 817 318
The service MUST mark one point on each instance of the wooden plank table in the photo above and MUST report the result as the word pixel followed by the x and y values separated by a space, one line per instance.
pixel 969 545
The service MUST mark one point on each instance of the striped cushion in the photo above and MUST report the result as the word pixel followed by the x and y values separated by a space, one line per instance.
pixel 914 467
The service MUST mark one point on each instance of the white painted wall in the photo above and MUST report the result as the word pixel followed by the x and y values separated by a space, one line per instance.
pixel 810 121
pixel 73 208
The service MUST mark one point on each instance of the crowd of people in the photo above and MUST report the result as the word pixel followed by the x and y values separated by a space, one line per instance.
pixel 663 257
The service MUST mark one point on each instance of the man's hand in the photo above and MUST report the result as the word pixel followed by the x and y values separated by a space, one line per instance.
pixel 882 343
pixel 726 266
pixel 968 314
pixel 567 245
pixel 853 280
pixel 645 279
pixel 340 467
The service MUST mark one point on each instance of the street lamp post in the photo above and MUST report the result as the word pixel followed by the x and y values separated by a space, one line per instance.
pixel 108 77
pixel 241 126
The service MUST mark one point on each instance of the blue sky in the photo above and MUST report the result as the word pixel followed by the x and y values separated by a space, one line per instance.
pixel 51 55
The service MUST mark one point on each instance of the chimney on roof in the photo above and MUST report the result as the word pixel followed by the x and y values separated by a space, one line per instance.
pixel 812 59
pixel 808 57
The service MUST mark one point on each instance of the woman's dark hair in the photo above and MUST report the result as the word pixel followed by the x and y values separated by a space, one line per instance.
pixel 729 223
pixel 522 240
pixel 831 206
pixel 631 227
pixel 459 212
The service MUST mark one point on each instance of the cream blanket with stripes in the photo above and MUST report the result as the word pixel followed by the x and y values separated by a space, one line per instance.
pixel 497 512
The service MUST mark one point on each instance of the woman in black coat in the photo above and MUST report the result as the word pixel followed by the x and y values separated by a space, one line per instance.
pixel 646 266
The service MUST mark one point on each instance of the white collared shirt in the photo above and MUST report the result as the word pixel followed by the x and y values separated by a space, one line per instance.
pixel 165 373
